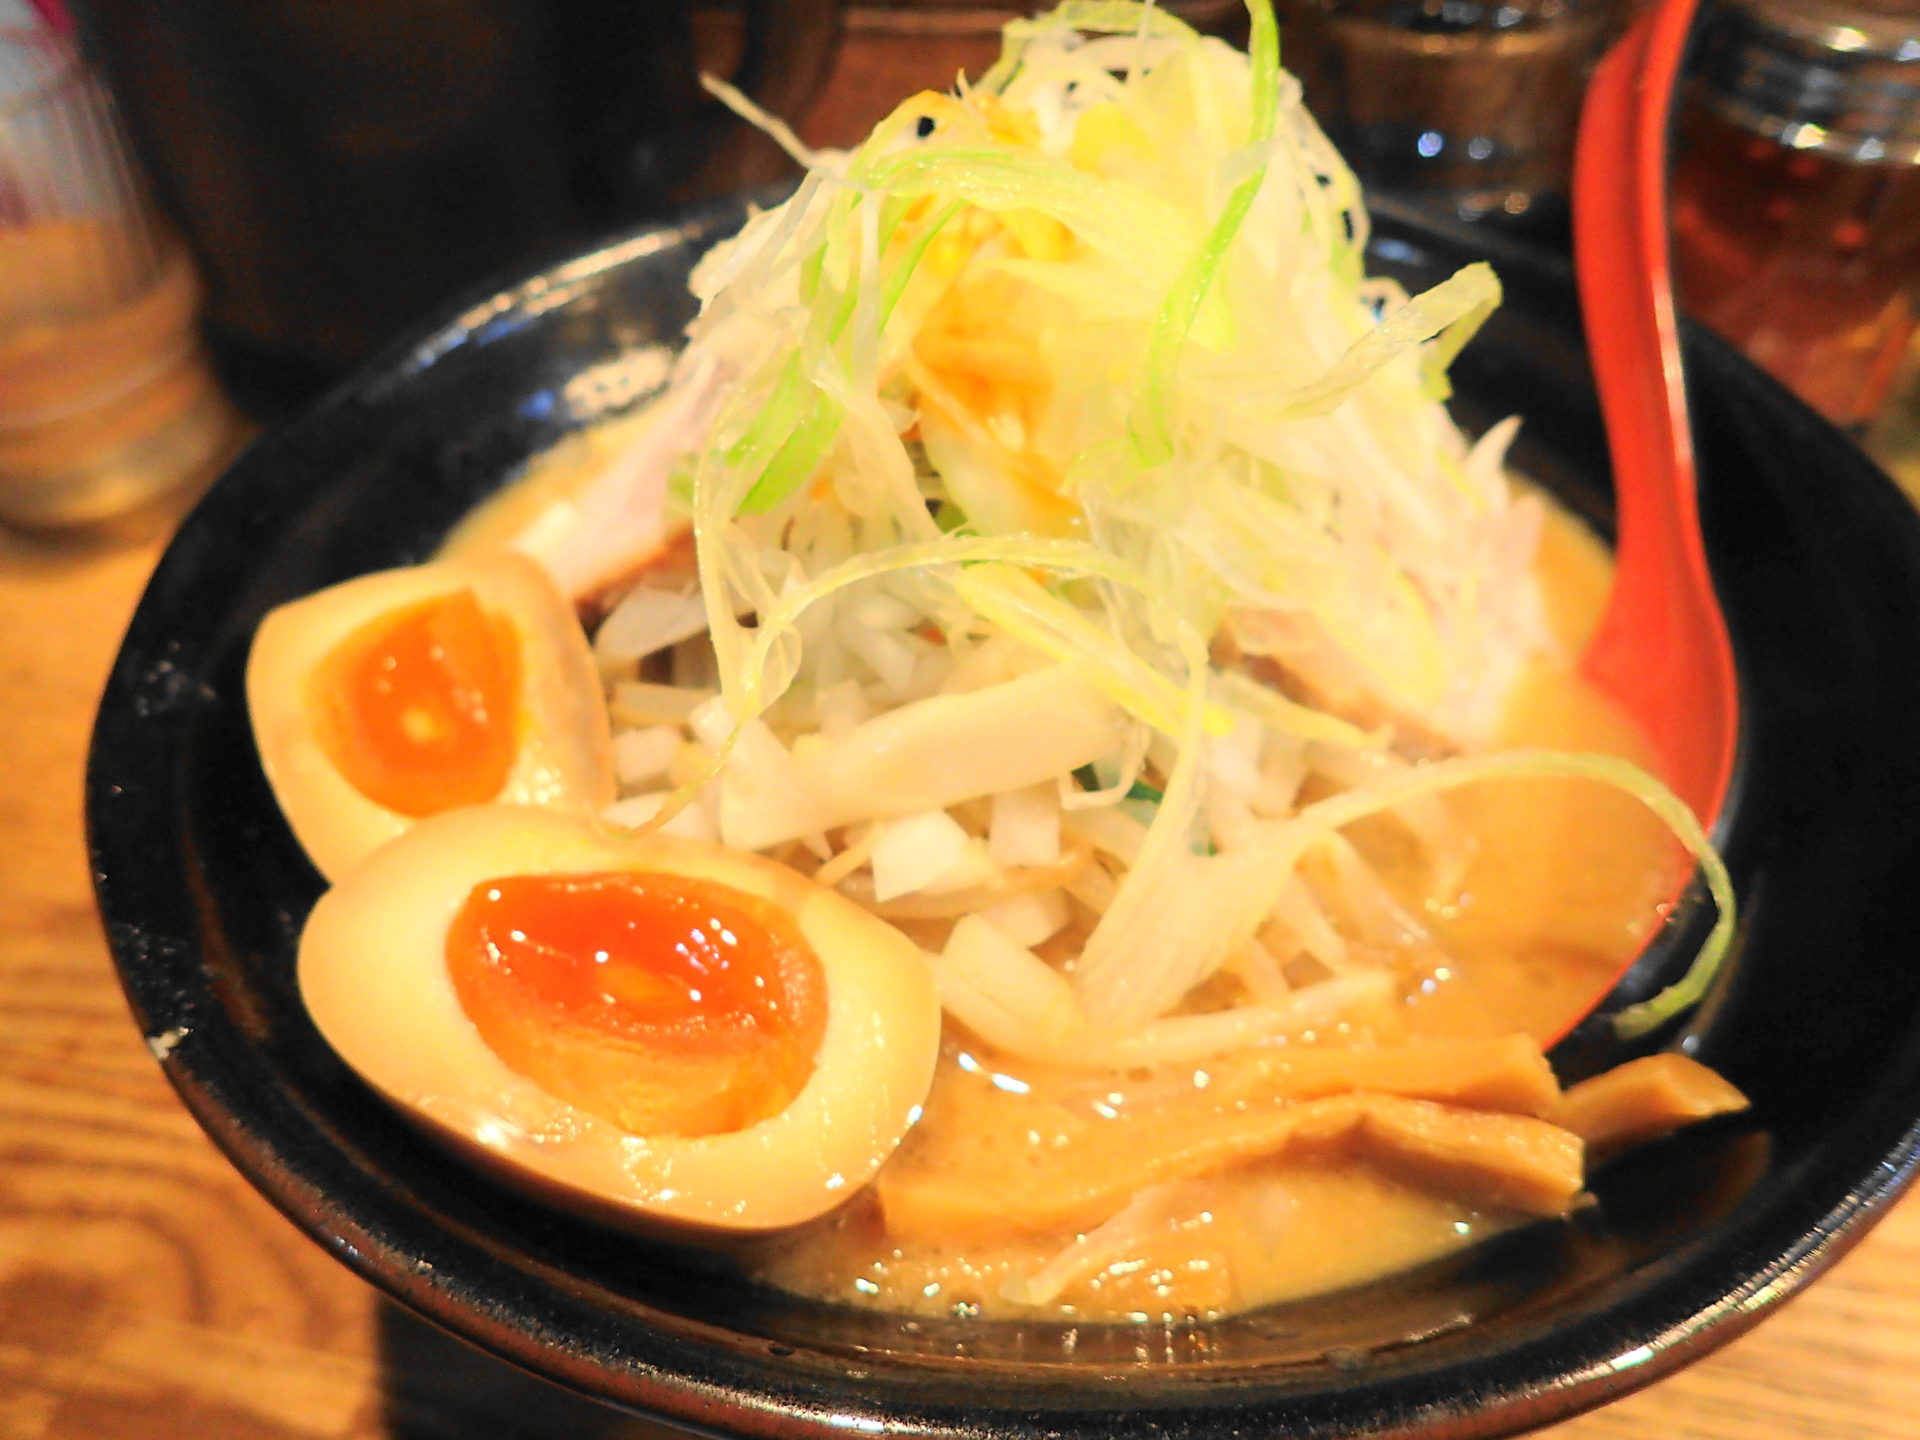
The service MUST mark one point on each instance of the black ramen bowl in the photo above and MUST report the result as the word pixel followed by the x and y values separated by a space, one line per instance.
pixel 203 890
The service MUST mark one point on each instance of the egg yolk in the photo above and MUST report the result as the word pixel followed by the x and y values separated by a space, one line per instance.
pixel 416 708
pixel 666 1004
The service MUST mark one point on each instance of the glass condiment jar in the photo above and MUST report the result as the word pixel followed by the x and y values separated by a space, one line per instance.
pixel 107 405
pixel 1796 192
pixel 1466 108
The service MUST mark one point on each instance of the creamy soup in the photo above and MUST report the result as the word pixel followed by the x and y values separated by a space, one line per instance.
pixel 1053 815
pixel 1567 880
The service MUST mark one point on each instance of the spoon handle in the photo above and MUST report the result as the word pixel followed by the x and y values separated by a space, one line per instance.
pixel 1662 645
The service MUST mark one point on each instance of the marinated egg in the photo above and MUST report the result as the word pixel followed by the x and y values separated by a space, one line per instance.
pixel 394 696
pixel 642 1028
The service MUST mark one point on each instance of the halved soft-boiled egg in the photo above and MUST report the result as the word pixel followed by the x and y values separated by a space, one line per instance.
pixel 394 696
pixel 643 1028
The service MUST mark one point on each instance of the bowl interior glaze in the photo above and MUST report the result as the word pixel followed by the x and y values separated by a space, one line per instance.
pixel 203 891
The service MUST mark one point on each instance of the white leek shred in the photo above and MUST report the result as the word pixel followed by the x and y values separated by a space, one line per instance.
pixel 1054 412
pixel 646 622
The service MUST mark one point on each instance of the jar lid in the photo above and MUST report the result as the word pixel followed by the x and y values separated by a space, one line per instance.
pixel 1838 76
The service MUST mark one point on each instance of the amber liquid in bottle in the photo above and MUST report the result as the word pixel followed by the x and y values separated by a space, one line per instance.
pixel 1804 260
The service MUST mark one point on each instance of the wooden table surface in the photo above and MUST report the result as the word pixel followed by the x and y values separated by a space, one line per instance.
pixel 147 1293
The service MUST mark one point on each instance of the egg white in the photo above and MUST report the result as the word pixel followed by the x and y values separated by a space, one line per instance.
pixel 373 972
pixel 564 748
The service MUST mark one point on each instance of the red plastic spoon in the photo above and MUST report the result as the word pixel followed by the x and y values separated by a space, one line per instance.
pixel 1661 649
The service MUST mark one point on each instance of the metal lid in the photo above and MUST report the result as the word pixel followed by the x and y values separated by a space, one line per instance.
pixel 1841 78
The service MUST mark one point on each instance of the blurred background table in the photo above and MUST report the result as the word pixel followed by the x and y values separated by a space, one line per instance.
pixel 147 1293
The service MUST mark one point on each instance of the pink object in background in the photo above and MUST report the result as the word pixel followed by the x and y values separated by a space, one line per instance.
pixel 53 15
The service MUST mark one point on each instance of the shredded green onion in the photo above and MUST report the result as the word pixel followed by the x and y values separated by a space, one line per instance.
pixel 1150 426
pixel 1086 374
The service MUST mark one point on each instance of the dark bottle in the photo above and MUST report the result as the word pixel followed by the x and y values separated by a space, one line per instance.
pixel 343 166
pixel 1466 107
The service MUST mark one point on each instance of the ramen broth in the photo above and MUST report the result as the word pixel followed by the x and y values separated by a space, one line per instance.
pixel 1198 852
pixel 1567 880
